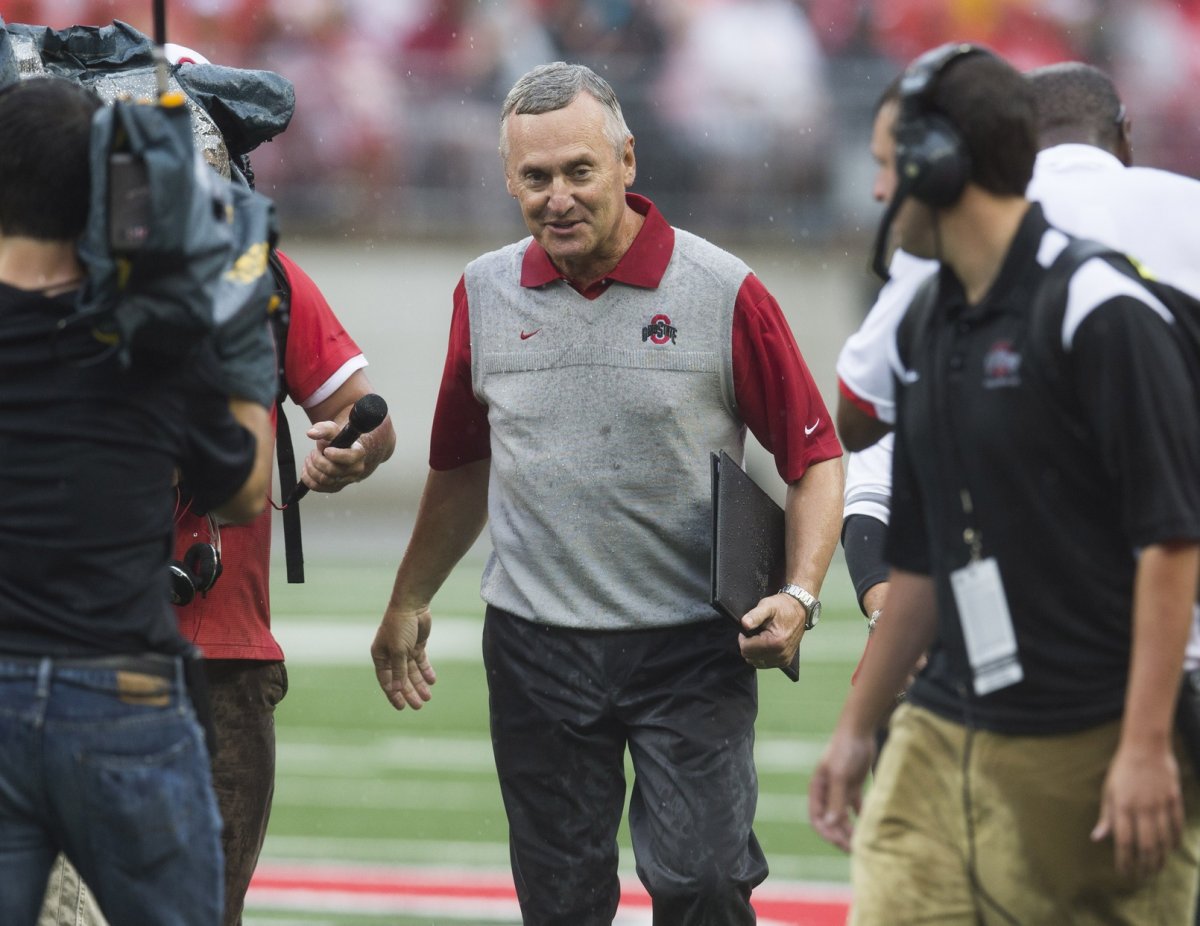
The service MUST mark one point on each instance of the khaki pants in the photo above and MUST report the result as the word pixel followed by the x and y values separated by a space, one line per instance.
pixel 971 827
pixel 68 901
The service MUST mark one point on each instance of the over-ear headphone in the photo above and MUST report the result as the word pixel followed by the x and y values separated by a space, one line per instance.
pixel 932 162
pixel 199 569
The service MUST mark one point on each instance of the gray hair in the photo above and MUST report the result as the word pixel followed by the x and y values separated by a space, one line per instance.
pixel 549 87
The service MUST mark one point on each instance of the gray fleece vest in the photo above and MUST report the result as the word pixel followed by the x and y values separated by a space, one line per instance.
pixel 603 414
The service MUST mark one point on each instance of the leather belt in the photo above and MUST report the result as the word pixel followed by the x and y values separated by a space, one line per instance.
pixel 159 665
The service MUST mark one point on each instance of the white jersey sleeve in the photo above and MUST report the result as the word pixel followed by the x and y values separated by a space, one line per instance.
pixel 1146 213
pixel 863 368
pixel 869 481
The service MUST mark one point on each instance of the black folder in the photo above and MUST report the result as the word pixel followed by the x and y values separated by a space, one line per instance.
pixel 748 551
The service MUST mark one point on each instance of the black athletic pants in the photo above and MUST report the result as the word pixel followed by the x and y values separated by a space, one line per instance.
pixel 565 704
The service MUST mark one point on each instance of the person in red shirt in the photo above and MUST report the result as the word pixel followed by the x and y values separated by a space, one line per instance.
pixel 231 621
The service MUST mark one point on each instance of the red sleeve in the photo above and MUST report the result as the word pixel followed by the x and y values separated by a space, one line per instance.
pixel 317 344
pixel 867 408
pixel 775 392
pixel 460 425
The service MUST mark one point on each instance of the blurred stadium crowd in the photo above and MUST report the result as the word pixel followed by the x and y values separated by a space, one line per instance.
pixel 751 116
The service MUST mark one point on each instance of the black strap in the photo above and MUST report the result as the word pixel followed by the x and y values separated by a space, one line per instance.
pixel 284 453
pixel 292 543
pixel 279 313
pixel 1045 327
pixel 1077 252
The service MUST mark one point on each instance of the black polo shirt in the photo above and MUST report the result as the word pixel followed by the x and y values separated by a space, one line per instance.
pixel 1076 443
pixel 88 454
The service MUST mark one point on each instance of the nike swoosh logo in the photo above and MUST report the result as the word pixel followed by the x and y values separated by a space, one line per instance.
pixel 526 335
pixel 808 429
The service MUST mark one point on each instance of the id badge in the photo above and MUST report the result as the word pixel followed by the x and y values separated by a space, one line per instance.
pixel 987 625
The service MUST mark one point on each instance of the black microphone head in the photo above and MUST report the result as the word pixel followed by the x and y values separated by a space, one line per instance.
pixel 368 413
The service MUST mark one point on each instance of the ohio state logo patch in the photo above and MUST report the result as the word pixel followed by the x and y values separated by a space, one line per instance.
pixel 660 330
pixel 1001 366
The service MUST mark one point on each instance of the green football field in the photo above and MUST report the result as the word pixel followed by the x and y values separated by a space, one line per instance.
pixel 362 786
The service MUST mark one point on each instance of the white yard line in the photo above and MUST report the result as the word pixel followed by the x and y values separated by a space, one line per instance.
pixel 329 641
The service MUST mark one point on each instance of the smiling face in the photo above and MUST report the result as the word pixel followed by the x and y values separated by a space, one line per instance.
pixel 570 182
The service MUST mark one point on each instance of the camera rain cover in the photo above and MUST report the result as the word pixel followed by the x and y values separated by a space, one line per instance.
pixel 172 250
pixel 237 107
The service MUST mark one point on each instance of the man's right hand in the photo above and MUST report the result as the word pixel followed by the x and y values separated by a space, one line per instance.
pixel 836 786
pixel 401 663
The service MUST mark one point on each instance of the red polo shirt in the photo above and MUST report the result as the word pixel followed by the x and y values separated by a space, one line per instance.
pixel 775 392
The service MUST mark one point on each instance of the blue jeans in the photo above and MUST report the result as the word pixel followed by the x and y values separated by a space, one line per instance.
pixel 110 767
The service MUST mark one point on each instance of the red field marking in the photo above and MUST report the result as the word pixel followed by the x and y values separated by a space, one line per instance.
pixel 467 895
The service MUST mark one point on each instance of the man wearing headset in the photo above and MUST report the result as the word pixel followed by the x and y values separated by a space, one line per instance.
pixel 1045 545
pixel 1085 183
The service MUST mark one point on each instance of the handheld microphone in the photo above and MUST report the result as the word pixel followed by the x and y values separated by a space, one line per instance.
pixel 366 415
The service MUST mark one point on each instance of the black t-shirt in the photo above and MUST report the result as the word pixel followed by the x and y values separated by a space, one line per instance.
pixel 88 454
pixel 1074 455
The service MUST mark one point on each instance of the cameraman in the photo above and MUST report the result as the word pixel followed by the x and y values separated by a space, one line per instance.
pixel 104 757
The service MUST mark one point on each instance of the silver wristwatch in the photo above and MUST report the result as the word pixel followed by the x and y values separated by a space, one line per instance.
pixel 811 605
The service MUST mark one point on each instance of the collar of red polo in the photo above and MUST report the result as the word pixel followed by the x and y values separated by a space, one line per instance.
pixel 642 265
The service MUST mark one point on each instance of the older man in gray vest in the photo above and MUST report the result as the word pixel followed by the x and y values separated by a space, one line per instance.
pixel 592 369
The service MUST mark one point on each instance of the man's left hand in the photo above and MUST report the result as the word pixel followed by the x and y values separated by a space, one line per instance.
pixel 1141 808
pixel 771 631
